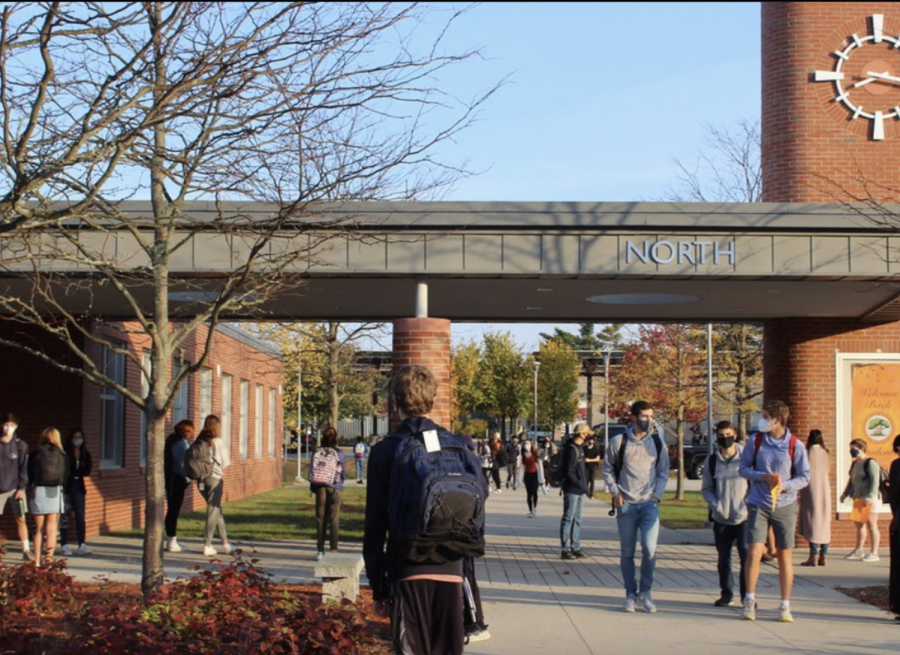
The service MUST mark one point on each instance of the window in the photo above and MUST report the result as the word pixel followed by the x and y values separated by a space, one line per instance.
pixel 112 409
pixel 271 422
pixel 243 418
pixel 180 406
pixel 225 418
pixel 147 363
pixel 206 394
pixel 258 424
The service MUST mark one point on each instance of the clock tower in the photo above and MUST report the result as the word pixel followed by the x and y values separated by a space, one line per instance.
pixel 830 101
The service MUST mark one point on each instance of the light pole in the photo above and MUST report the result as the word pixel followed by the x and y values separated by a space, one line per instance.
pixel 606 356
pixel 536 365
pixel 299 415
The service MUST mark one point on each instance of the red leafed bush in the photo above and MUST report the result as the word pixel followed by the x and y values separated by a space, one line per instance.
pixel 230 609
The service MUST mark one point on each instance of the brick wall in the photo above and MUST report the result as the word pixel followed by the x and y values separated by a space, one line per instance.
pixel 799 368
pixel 115 495
pixel 810 145
pixel 426 342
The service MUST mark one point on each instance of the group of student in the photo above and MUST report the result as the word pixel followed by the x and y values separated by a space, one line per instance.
pixel 45 482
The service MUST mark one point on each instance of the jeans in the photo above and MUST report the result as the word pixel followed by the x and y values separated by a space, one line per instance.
pixel 815 549
pixel 212 492
pixel 174 501
pixel 727 536
pixel 76 503
pixel 631 518
pixel 360 467
pixel 570 526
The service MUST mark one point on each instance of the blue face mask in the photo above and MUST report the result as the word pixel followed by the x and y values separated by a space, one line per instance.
pixel 854 452
pixel 764 425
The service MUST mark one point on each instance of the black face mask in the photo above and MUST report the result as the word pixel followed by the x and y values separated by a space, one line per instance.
pixel 725 442
pixel 643 425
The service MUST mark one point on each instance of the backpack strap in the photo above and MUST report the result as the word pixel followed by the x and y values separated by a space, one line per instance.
pixel 792 447
pixel 711 460
pixel 620 460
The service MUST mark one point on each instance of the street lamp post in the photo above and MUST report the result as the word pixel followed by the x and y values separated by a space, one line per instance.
pixel 536 365
pixel 299 416
pixel 606 356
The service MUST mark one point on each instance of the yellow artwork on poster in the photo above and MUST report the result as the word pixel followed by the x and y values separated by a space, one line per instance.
pixel 876 408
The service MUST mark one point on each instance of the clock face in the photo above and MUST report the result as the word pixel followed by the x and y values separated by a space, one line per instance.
pixel 866 77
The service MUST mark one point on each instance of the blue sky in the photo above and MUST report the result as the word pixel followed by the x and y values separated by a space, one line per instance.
pixel 602 98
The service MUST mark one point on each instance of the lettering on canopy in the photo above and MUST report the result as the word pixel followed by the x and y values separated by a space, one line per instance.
pixel 680 252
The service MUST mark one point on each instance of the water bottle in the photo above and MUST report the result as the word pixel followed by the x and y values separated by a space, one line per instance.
pixel 20 507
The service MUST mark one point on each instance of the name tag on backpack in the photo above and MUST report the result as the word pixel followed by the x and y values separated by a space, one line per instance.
pixel 432 443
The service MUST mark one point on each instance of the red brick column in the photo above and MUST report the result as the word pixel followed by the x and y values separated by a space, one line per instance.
pixel 426 342
pixel 799 368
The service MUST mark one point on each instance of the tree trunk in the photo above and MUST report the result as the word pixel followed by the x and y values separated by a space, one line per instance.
pixel 153 572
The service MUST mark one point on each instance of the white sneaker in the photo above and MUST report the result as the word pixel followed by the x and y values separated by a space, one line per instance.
pixel 749 613
pixel 209 551
pixel 647 603
pixel 534 514
pixel 630 604
pixel 854 554
pixel 531 515
pixel 871 557
pixel 784 614
pixel 173 546
pixel 228 548
pixel 84 549
pixel 319 556
pixel 66 551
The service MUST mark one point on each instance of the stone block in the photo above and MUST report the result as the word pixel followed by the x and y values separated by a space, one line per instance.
pixel 339 573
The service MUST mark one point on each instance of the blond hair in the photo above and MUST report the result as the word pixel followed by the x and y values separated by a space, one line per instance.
pixel 51 435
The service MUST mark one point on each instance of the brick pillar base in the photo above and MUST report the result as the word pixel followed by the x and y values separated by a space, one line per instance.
pixel 800 369
pixel 426 342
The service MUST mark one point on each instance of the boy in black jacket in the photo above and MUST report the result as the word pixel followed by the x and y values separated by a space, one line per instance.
pixel 14 477
pixel 574 488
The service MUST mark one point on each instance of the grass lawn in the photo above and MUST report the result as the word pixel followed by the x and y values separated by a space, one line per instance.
pixel 677 515
pixel 284 513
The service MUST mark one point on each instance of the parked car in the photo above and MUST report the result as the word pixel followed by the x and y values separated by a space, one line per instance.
pixel 694 459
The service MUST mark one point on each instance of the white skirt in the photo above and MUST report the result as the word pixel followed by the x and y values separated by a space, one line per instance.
pixel 48 500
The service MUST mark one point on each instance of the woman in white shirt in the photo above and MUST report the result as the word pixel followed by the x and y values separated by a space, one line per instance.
pixel 212 487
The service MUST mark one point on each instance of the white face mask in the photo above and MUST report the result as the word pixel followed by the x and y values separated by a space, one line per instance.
pixel 9 428
pixel 77 442
pixel 527 447
pixel 764 425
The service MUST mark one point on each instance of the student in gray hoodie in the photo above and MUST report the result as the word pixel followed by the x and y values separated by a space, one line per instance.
pixel 725 492
pixel 636 472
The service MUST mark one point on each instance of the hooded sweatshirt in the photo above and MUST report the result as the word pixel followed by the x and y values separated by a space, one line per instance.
pixel 725 495
pixel 774 456
pixel 644 475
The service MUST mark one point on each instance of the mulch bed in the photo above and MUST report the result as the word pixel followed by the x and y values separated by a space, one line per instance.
pixel 51 634
pixel 877 595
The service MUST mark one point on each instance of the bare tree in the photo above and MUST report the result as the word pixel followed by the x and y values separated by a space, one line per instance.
pixel 729 169
pixel 237 121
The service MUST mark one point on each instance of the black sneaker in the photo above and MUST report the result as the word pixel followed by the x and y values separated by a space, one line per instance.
pixel 579 554
pixel 724 601
pixel 567 554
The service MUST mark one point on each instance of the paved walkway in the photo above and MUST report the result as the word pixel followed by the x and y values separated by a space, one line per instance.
pixel 537 604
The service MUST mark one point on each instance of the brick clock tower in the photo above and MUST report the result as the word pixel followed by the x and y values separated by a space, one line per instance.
pixel 831 133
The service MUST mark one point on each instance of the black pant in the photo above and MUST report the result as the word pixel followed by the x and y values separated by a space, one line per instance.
pixel 328 515
pixel 531 490
pixel 728 536
pixel 174 500
pixel 894 575
pixel 591 474
pixel 427 618
pixel 473 612
pixel 495 473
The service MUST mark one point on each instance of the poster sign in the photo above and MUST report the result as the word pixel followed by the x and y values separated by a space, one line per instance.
pixel 876 408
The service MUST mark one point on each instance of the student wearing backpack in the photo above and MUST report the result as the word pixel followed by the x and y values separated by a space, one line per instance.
pixel 414 553
pixel 636 471
pixel 574 488
pixel 211 486
pixel 775 464
pixel 863 488
pixel 725 490
pixel 47 473
pixel 14 478
pixel 177 480
pixel 360 452
pixel 328 492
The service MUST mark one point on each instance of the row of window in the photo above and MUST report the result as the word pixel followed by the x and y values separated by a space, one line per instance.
pixel 112 410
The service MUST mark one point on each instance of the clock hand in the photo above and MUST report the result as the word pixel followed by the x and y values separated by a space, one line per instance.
pixel 883 76
pixel 864 82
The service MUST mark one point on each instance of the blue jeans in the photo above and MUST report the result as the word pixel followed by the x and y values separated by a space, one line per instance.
pixel 631 518
pixel 360 467
pixel 570 526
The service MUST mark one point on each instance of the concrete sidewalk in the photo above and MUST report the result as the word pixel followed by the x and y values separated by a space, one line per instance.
pixel 536 603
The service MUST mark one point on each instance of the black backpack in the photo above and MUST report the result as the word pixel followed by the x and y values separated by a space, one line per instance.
pixel 556 472
pixel 198 460
pixel 620 460
pixel 50 466
pixel 884 485
pixel 436 500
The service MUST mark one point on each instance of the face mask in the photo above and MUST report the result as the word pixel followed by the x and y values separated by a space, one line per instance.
pixel 77 442
pixel 643 424
pixel 726 442
pixel 764 425
pixel 527 447
pixel 8 430
pixel 854 452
